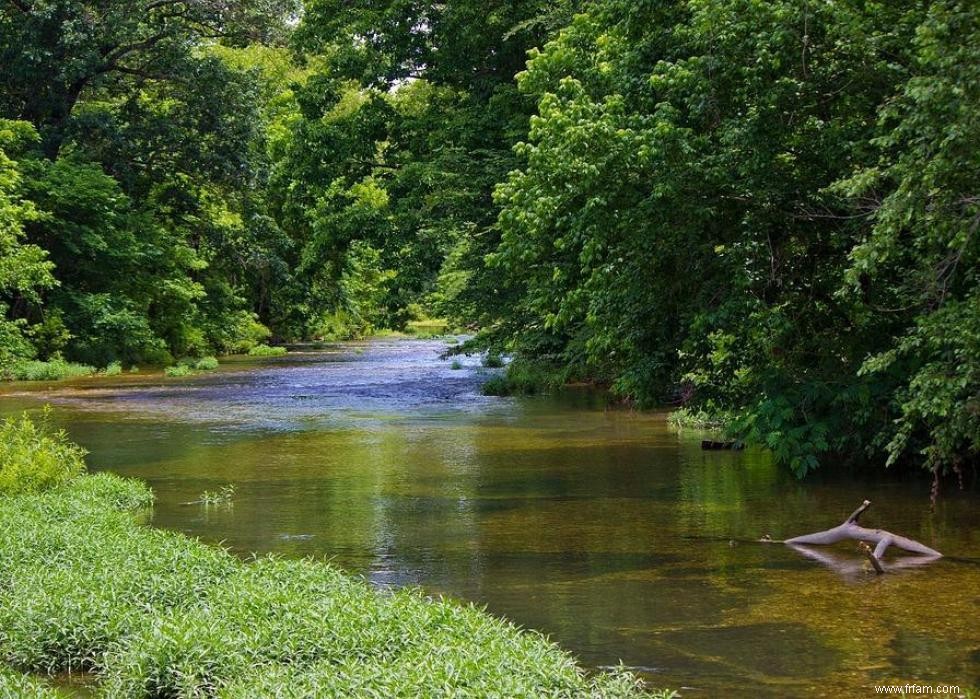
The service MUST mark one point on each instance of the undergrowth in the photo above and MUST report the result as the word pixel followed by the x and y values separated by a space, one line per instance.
pixel 266 351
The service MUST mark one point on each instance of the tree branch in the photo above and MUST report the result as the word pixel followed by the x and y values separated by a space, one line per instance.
pixel 850 529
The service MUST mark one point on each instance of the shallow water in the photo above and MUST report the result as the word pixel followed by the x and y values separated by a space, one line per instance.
pixel 601 527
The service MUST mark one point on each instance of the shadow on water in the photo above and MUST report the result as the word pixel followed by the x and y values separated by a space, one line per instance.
pixel 603 528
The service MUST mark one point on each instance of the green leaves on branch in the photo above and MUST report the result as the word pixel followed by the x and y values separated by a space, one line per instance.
pixel 767 211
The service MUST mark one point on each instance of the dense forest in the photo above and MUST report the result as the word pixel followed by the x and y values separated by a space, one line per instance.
pixel 763 212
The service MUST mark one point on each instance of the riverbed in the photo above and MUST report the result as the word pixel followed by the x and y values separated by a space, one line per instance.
pixel 600 526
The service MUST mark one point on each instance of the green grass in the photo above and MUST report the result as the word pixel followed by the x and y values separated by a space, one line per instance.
pixel 523 379
pixel 54 370
pixel 206 364
pixel 496 386
pixel 456 365
pixel 493 361
pixel 191 365
pixel 153 613
pixel 114 369
pixel 14 684
pixel 266 351
pixel 698 420
pixel 223 496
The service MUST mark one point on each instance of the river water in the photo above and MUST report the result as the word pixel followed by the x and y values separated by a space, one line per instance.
pixel 604 528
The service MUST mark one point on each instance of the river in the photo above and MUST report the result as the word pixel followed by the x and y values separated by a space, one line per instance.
pixel 602 527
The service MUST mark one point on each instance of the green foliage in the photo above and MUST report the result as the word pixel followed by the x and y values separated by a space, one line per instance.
pixel 525 378
pixel 24 268
pixel 496 386
pixel 764 209
pixel 456 365
pixel 153 613
pixel 35 457
pixel 491 360
pixel 206 364
pixel 54 370
pixel 223 496
pixel 14 684
pixel 114 369
pixel 241 333
pixel 146 195
pixel 178 370
pixel 266 351
pixel 696 419
pixel 401 136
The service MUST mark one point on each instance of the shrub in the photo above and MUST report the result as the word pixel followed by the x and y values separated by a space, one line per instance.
pixel 456 365
pixel 524 378
pixel 237 332
pixel 697 420
pixel 177 370
pixel 493 361
pixel 114 369
pixel 54 370
pixel 206 364
pixel 496 386
pixel 34 457
pixel 266 351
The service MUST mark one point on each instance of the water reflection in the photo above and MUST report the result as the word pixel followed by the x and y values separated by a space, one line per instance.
pixel 600 527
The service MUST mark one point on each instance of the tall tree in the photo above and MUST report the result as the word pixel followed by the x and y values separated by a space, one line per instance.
pixel 54 50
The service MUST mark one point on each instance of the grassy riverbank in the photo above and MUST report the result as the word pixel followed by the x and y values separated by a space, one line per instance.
pixel 150 613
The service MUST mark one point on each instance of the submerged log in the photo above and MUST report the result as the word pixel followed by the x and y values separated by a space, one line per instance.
pixel 850 529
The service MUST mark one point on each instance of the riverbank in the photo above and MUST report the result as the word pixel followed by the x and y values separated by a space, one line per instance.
pixel 86 588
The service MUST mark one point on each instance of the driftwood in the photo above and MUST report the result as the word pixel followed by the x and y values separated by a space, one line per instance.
pixel 850 529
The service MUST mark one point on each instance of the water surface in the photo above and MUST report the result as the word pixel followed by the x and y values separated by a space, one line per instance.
pixel 601 527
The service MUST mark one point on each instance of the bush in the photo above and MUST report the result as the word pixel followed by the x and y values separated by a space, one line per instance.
pixel 54 370
pixel 697 420
pixel 266 351
pixel 525 379
pixel 34 457
pixel 237 332
pixel 114 369
pixel 206 364
pixel 456 365
pixel 178 370
pixel 496 386
pixel 493 361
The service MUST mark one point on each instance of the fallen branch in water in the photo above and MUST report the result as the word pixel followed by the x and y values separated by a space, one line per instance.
pixel 850 529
